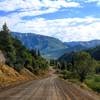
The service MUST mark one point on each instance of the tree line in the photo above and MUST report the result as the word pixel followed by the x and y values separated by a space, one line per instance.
pixel 17 55
pixel 78 65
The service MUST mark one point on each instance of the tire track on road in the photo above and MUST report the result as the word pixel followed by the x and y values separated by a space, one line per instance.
pixel 51 88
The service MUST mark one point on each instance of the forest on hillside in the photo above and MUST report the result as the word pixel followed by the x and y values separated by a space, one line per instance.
pixel 18 56
pixel 83 66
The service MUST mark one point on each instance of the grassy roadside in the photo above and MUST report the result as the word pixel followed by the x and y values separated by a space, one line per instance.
pixel 92 82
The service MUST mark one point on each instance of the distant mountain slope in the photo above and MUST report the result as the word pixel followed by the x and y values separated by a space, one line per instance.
pixel 58 53
pixel 85 44
pixel 44 43
pixel 94 52
pixel 53 48
pixel 67 57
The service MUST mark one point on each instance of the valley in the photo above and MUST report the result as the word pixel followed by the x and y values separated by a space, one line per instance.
pixel 36 67
pixel 50 50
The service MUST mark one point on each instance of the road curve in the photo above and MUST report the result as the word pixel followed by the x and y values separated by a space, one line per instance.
pixel 50 88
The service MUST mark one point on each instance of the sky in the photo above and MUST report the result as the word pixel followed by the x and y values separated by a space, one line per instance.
pixel 67 20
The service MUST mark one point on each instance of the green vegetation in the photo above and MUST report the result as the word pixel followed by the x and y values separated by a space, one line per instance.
pixel 17 55
pixel 83 64
pixel 95 53
pixel 93 82
pixel 80 66
pixel 6 45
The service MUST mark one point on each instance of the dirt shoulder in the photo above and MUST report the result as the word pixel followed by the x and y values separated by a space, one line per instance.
pixel 50 88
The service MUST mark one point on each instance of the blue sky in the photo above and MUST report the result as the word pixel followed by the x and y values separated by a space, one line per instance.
pixel 68 20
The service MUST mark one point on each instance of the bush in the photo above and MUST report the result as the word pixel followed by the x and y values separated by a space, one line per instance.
pixel 18 67
pixel 68 75
pixel 93 82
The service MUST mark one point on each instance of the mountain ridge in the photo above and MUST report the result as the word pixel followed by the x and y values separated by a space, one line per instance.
pixel 45 44
pixel 50 47
pixel 87 44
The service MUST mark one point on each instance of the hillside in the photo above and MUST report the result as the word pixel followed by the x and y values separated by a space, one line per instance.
pixel 94 52
pixel 85 44
pixel 47 45
pixel 17 61
pixel 43 43
pixel 75 47
pixel 10 76
pixel 60 52
pixel 50 47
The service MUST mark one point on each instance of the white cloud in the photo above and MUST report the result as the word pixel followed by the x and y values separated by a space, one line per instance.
pixel 59 3
pixel 98 1
pixel 34 7
pixel 68 29
pixel 92 1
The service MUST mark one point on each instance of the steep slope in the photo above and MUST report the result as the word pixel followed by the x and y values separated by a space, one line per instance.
pixel 43 43
pixel 47 45
pixel 95 52
pixel 10 76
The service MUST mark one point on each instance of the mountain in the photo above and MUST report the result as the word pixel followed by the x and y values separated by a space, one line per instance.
pixel 85 44
pixel 92 47
pixel 53 48
pixel 67 57
pixel 74 47
pixel 47 45
pixel 94 52
pixel 58 53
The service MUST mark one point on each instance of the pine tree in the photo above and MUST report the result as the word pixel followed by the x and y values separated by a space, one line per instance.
pixel 33 53
pixel 5 28
pixel 17 55
pixel 6 45
pixel 38 53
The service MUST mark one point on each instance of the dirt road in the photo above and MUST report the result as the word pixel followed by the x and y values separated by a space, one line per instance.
pixel 50 88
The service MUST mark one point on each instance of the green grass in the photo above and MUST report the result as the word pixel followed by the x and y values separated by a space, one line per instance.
pixel 93 82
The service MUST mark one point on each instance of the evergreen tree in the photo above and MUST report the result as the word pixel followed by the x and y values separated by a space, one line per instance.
pixel 5 28
pixel 38 53
pixel 6 45
pixel 33 53
pixel 17 55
